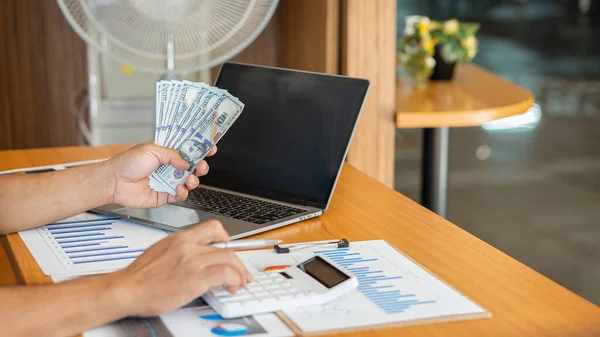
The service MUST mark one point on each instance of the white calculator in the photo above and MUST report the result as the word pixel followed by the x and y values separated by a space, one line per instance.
pixel 314 281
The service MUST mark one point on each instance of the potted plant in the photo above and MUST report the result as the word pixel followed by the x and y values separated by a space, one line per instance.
pixel 430 49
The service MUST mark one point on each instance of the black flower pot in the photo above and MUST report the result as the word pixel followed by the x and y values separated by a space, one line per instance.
pixel 442 71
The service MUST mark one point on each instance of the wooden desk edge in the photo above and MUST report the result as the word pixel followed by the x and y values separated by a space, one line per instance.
pixel 22 260
pixel 405 120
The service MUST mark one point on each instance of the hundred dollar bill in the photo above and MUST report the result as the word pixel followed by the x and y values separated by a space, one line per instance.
pixel 177 109
pixel 161 102
pixel 170 87
pixel 172 101
pixel 197 116
pixel 188 108
pixel 221 116
pixel 157 107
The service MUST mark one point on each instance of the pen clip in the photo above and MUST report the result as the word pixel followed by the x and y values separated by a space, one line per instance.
pixel 286 248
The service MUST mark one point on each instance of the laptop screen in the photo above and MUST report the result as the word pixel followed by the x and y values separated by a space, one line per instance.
pixel 292 136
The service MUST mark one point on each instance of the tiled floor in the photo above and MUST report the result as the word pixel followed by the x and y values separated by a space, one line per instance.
pixel 534 192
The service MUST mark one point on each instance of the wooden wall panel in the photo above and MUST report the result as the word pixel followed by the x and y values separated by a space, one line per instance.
pixel 310 33
pixel 42 63
pixel 368 49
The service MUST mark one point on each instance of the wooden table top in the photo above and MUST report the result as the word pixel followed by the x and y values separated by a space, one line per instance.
pixel 522 302
pixel 473 97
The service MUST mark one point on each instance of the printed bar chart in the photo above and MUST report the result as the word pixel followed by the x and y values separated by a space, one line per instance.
pixel 373 282
pixel 89 243
pixel 90 240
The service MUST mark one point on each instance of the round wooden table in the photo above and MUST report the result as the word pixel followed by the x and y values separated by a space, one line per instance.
pixel 473 97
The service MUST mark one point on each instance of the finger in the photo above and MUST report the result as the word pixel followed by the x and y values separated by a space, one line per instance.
pixel 205 233
pixel 160 198
pixel 226 256
pixel 201 169
pixel 191 182
pixel 218 275
pixel 212 151
pixel 167 156
pixel 181 193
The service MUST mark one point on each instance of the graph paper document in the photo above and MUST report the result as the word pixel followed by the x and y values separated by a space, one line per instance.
pixel 392 289
pixel 196 319
pixel 88 243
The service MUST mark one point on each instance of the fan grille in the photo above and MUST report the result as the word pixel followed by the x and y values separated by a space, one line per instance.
pixel 203 33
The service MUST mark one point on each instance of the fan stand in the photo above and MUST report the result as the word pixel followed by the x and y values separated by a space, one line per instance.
pixel 170 74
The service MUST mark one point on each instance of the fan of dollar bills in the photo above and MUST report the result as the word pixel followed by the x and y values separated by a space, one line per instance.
pixel 190 117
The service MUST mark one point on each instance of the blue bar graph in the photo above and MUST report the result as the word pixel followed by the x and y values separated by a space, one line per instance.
pixel 381 289
pixel 89 240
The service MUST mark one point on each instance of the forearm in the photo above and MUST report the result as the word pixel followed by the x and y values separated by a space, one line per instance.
pixel 28 201
pixel 62 309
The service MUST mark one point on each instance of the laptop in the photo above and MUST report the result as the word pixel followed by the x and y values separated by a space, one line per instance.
pixel 279 162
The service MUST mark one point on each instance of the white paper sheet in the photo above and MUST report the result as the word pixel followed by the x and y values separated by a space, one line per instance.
pixel 88 243
pixel 391 289
pixel 57 167
pixel 195 320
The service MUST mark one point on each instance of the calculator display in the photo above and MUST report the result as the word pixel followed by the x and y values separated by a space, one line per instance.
pixel 322 271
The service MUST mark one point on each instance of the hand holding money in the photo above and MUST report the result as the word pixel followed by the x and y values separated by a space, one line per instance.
pixel 191 118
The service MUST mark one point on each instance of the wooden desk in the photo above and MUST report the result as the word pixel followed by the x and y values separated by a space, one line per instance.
pixel 473 97
pixel 522 302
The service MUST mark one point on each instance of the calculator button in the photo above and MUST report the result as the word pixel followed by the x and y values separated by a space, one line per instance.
pixel 265 281
pixel 254 287
pixel 228 300
pixel 219 291
pixel 261 294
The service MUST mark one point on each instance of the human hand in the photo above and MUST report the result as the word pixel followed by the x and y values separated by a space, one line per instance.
pixel 129 170
pixel 180 268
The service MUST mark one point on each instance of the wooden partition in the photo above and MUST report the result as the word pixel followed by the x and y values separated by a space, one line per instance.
pixel 355 38
pixel 42 63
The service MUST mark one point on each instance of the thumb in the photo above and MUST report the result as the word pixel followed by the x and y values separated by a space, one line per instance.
pixel 168 156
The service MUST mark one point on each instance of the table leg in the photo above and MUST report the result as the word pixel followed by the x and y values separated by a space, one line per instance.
pixel 434 170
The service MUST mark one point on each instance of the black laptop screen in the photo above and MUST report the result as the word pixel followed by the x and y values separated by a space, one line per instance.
pixel 290 140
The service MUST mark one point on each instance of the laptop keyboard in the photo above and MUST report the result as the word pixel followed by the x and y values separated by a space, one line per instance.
pixel 238 207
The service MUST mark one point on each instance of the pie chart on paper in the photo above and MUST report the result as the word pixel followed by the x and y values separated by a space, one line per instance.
pixel 230 329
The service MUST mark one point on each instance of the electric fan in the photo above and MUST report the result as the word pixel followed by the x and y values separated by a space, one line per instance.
pixel 176 36
pixel 159 39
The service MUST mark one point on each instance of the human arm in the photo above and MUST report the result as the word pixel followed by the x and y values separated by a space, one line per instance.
pixel 32 200
pixel 166 276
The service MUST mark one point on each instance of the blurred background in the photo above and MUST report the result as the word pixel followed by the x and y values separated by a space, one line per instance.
pixel 531 190
pixel 528 186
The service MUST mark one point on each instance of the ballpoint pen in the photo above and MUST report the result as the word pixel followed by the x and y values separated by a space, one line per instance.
pixel 245 244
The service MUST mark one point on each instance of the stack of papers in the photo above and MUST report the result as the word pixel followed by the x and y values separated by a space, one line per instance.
pixel 90 243
pixel 392 288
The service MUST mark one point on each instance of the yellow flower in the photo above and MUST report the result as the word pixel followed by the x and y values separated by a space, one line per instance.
pixel 424 24
pixel 428 45
pixel 450 27
pixel 470 42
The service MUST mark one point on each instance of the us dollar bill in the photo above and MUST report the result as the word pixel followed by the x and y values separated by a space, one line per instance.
pixel 161 103
pixel 208 101
pixel 188 109
pixel 214 124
